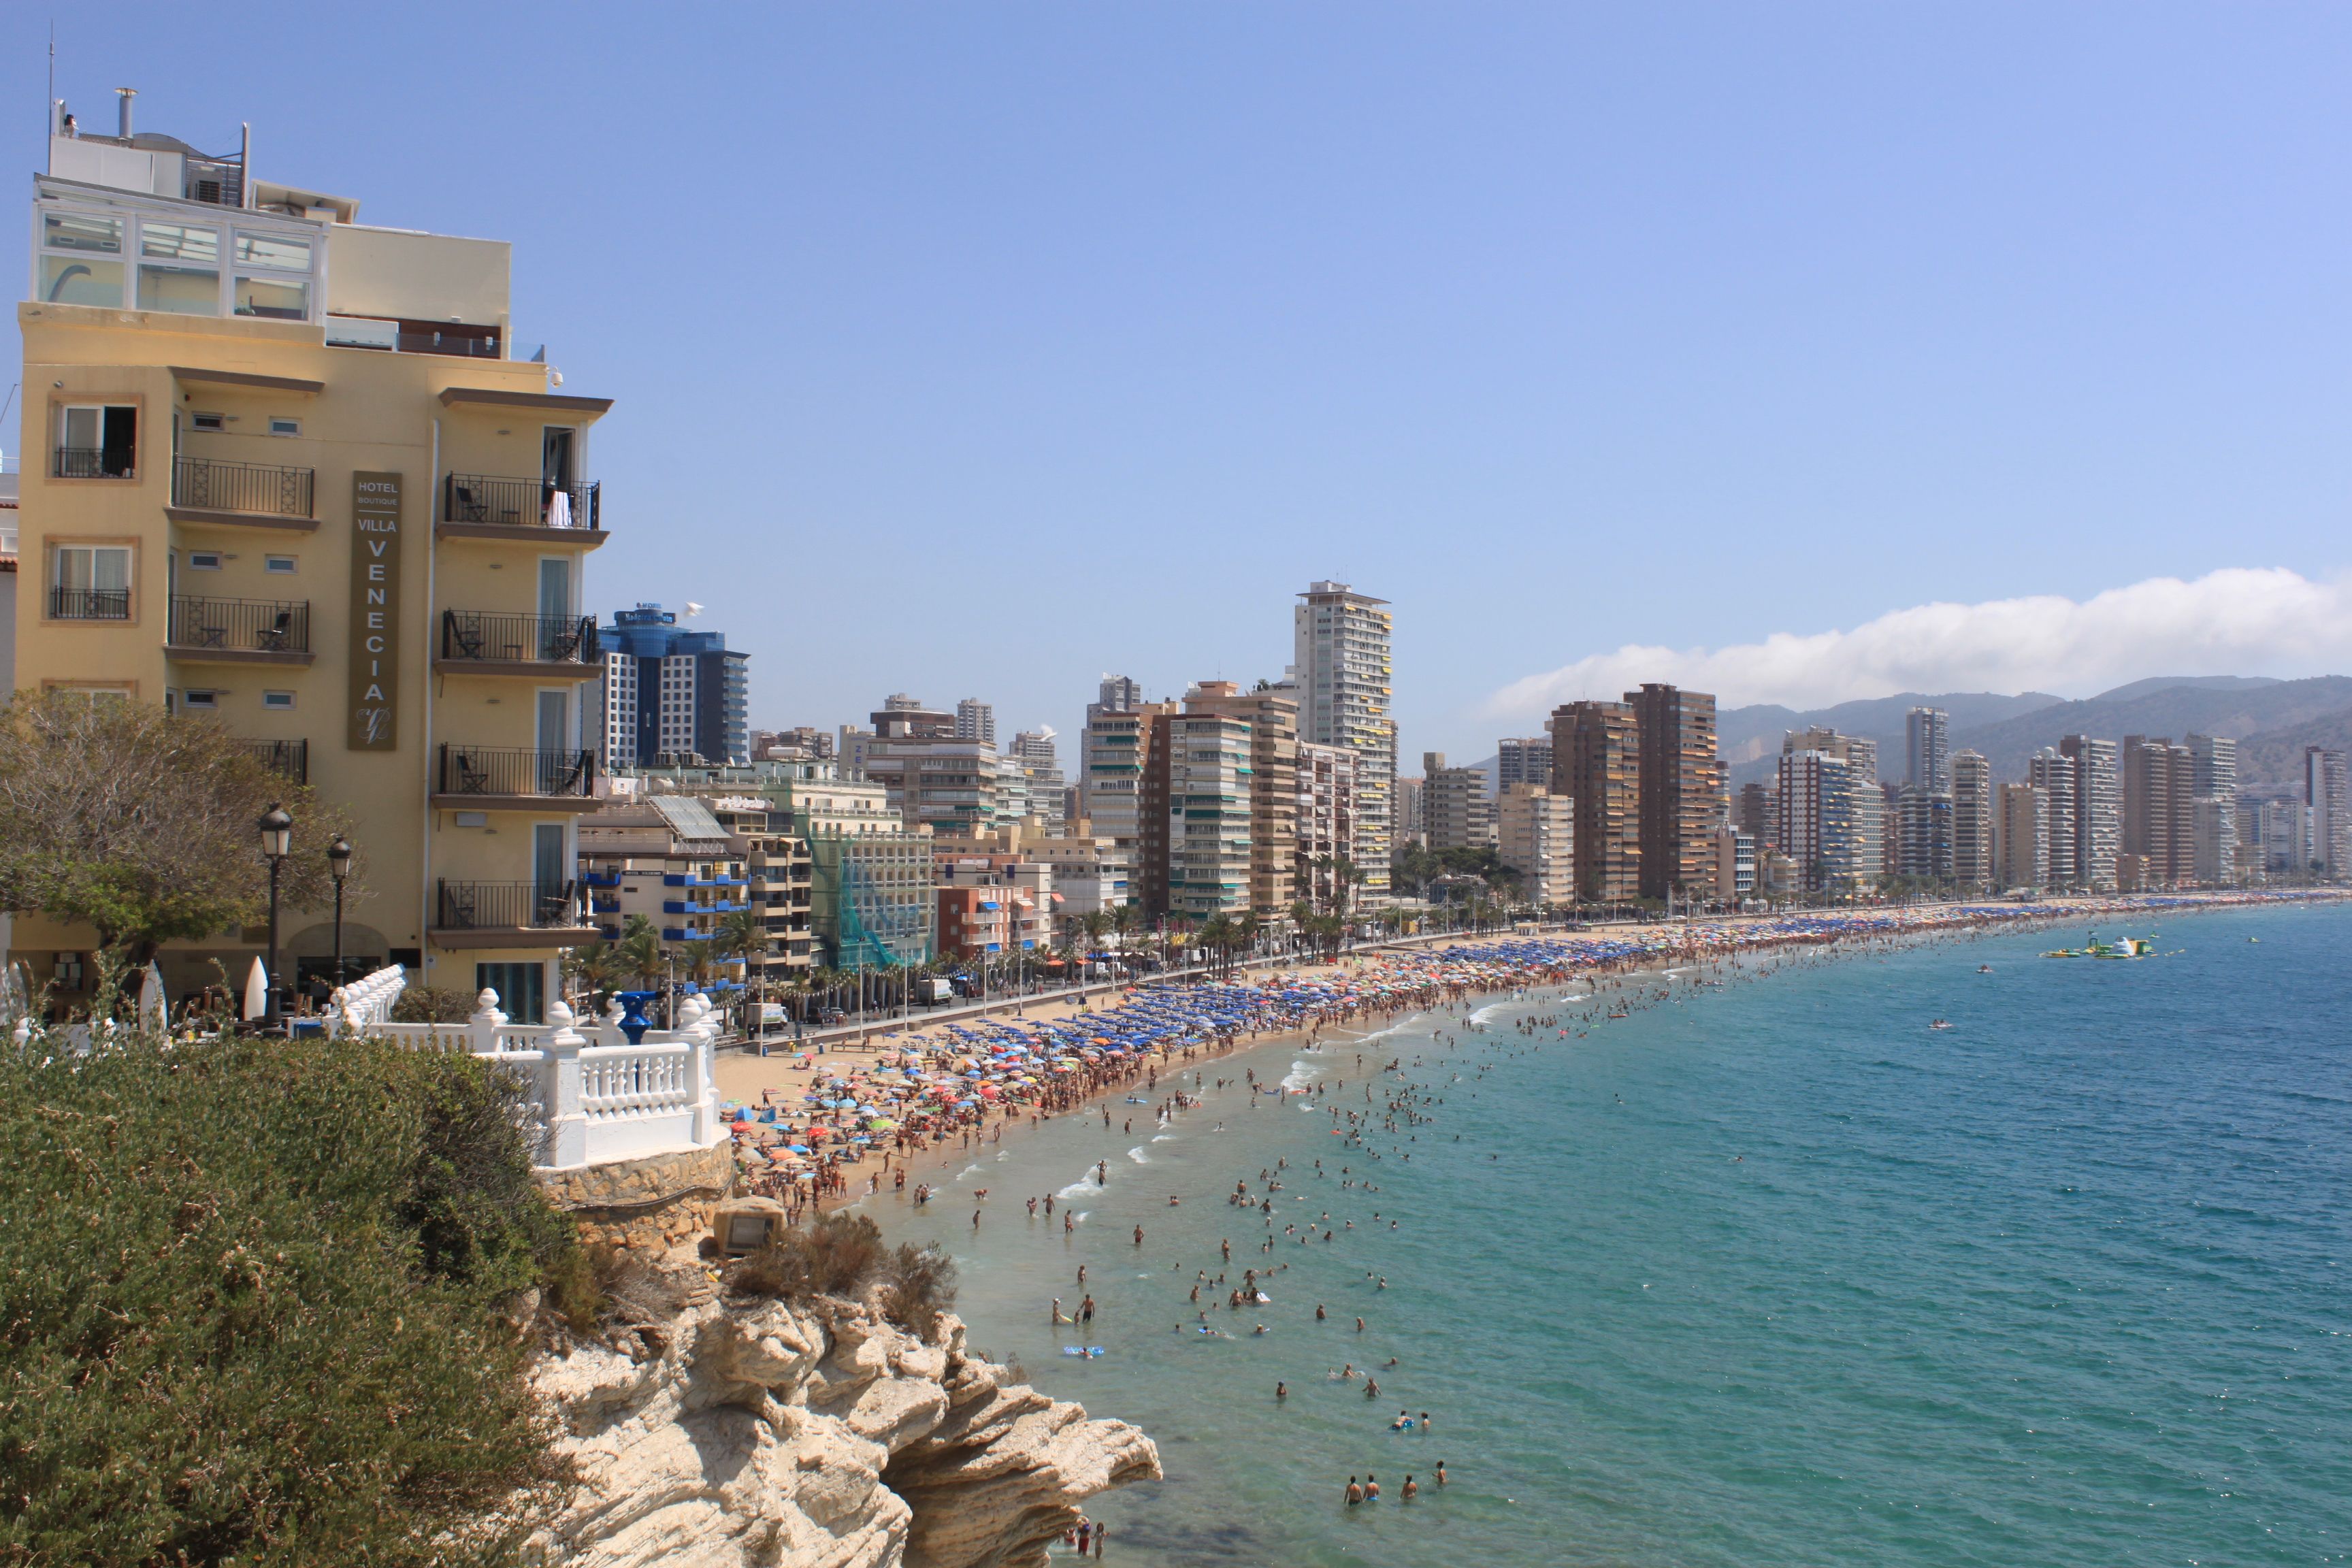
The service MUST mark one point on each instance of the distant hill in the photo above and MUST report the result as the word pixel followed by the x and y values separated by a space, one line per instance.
pixel 2269 712
pixel 2155 683
pixel 1750 737
pixel 2272 720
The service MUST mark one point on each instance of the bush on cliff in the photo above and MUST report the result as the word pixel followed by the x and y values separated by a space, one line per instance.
pixel 255 1307
pixel 843 1255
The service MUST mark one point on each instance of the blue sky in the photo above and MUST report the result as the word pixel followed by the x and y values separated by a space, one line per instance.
pixel 975 350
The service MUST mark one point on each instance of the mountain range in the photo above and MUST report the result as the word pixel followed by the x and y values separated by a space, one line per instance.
pixel 2271 720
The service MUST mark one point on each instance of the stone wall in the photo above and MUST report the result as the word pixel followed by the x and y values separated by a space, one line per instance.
pixel 650 1204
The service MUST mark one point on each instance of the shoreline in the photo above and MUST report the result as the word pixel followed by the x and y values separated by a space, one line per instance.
pixel 1404 983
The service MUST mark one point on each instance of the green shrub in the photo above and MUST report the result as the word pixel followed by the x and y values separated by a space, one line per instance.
pixel 843 1255
pixel 835 1256
pixel 255 1307
pixel 918 1283
pixel 433 1005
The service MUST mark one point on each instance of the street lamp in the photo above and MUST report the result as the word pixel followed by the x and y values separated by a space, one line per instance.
pixel 339 865
pixel 276 841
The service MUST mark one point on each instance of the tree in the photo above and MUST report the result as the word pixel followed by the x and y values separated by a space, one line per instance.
pixel 140 824
pixel 743 934
pixel 639 951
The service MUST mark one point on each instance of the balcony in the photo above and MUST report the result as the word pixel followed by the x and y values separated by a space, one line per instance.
pixel 242 495
pixel 94 463
pixel 290 760
pixel 487 778
pixel 508 915
pixel 238 631
pixel 484 506
pixel 89 604
pixel 481 642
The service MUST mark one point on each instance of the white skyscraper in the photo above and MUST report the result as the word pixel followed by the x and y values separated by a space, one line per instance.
pixel 1927 750
pixel 1344 676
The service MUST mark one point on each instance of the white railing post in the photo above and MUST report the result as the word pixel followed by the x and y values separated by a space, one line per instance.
pixel 482 1028
pixel 697 1074
pixel 559 1090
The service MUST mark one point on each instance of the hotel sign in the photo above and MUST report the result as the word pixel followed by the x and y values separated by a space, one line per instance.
pixel 375 613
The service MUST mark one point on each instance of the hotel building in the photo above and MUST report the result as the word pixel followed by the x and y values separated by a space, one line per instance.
pixel 289 469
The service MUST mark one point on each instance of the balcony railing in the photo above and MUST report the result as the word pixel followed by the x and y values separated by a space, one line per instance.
pixel 520 503
pixel 290 760
pixel 208 484
pixel 485 770
pixel 95 463
pixel 240 625
pixel 507 906
pixel 512 639
pixel 89 604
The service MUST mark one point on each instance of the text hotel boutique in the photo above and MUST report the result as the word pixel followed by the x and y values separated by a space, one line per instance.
pixel 288 470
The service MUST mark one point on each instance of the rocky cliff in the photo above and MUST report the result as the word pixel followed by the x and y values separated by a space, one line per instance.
pixel 814 1435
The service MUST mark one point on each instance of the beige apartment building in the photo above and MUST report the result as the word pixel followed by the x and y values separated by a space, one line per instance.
pixel 1325 823
pixel 1537 832
pixel 288 468
pixel 1272 714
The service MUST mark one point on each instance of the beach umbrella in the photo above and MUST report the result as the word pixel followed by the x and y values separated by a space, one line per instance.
pixel 257 992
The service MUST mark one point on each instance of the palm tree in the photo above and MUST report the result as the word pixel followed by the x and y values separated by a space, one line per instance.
pixel 700 958
pixel 1215 936
pixel 639 951
pixel 742 935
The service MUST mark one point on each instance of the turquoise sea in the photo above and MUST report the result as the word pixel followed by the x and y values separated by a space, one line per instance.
pixel 1768 1273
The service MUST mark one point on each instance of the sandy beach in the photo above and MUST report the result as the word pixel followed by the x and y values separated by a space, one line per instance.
pixel 827 1126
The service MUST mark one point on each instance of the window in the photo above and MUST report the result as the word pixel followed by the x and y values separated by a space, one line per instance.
pixel 204 560
pixel 282 563
pixel 98 442
pixel 280 701
pixel 77 268
pixel 520 988
pixel 285 296
pixel 179 268
pixel 276 299
pixel 81 232
pixel 281 252
pixel 200 699
pixel 208 421
pixel 281 426
pixel 92 582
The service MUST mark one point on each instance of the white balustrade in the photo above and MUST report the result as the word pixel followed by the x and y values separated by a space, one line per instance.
pixel 595 1097
pixel 364 1004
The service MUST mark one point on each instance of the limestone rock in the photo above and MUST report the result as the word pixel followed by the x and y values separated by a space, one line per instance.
pixel 766 1434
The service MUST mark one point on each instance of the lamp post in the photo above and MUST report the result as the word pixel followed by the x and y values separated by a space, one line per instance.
pixel 277 831
pixel 339 865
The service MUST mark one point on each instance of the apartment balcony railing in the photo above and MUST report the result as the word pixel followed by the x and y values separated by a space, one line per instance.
pixel 520 503
pixel 89 604
pixel 290 760
pixel 507 906
pixel 94 463
pixel 239 625
pixel 490 638
pixel 205 484
pixel 488 770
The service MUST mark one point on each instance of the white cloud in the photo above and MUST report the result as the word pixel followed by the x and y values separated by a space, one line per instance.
pixel 2238 621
